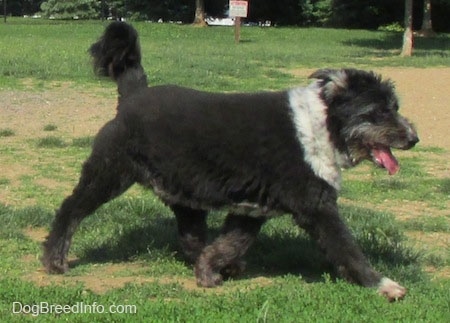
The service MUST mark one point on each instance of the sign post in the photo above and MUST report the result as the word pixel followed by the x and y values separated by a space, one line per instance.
pixel 238 9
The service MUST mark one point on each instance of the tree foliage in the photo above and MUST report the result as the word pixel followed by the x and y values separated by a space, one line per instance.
pixel 67 9
pixel 316 12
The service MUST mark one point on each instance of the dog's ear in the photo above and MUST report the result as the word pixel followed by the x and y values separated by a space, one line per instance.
pixel 333 81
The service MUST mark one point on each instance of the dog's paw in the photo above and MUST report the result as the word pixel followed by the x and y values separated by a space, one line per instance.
pixel 391 290
pixel 55 266
pixel 232 270
pixel 209 281
pixel 206 276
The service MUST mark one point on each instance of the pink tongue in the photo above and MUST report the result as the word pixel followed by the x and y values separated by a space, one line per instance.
pixel 384 157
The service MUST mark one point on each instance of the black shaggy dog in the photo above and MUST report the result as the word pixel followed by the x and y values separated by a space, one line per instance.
pixel 257 154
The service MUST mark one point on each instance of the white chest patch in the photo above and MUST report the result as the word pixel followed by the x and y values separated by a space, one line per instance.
pixel 309 116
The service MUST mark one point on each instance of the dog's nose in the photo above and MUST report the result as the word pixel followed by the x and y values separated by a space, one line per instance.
pixel 411 134
pixel 412 141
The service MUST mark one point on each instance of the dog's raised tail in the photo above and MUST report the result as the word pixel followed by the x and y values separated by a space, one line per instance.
pixel 117 54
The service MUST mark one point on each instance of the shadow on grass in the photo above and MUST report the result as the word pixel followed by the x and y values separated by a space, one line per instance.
pixel 271 255
pixel 278 251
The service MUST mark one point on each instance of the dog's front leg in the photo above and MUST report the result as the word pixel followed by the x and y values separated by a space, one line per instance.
pixel 334 238
pixel 192 230
pixel 222 258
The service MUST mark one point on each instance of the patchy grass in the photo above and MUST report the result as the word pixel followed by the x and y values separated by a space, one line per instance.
pixel 51 142
pixel 6 132
pixel 83 142
pixel 50 127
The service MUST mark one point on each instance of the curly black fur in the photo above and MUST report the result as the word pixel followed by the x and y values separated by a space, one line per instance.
pixel 255 154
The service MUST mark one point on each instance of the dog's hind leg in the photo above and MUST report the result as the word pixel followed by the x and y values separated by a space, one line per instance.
pixel 98 184
pixel 192 230
pixel 222 258
pixel 105 175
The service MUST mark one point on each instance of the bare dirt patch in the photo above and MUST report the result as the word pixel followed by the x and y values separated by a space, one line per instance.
pixel 76 112
pixel 437 240
pixel 403 211
pixel 100 279
pixel 36 234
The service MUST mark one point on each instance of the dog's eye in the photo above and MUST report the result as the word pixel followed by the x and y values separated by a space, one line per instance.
pixel 389 110
pixel 381 116
pixel 386 112
pixel 394 106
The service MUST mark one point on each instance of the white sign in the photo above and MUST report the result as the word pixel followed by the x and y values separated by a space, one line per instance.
pixel 238 8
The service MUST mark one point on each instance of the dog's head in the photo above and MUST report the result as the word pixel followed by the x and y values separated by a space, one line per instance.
pixel 363 116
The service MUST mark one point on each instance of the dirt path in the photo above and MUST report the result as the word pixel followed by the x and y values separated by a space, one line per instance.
pixel 75 112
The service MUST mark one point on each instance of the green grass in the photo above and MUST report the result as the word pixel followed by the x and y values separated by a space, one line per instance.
pixel 287 278
pixel 206 58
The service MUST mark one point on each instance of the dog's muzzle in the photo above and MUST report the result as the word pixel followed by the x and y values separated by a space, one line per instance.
pixel 411 135
pixel 382 155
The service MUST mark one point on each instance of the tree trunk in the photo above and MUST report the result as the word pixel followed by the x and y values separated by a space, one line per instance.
pixel 199 19
pixel 408 35
pixel 427 27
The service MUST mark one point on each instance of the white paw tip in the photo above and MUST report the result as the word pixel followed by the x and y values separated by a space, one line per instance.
pixel 391 290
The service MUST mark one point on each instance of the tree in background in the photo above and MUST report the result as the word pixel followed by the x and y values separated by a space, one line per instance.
pixel 408 34
pixel 4 10
pixel 199 19
pixel 427 27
